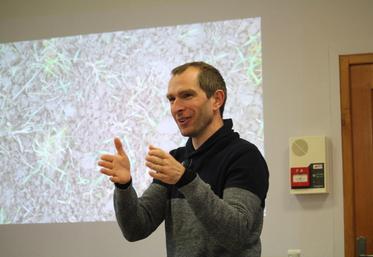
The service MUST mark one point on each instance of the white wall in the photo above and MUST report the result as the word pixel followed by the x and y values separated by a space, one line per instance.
pixel 301 43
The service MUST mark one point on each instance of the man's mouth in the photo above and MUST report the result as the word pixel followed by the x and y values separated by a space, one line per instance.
pixel 183 121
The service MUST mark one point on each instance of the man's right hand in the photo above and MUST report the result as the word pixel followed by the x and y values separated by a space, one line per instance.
pixel 116 166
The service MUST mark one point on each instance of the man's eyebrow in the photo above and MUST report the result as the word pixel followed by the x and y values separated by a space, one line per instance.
pixel 188 91
pixel 191 91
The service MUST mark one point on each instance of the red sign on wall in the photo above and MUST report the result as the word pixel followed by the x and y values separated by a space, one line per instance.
pixel 300 177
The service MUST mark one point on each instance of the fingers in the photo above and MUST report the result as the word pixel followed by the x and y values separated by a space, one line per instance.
pixel 107 157
pixel 154 151
pixel 154 159
pixel 152 147
pixel 119 146
pixel 115 180
pixel 158 176
pixel 106 164
pixel 116 166
pixel 107 172
pixel 161 164
pixel 155 167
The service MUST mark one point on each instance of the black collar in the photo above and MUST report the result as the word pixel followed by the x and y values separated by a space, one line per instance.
pixel 221 132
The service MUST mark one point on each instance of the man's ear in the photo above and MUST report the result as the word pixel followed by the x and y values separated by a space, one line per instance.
pixel 219 98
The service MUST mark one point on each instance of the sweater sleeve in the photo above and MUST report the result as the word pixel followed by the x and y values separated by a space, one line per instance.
pixel 235 220
pixel 139 217
pixel 249 171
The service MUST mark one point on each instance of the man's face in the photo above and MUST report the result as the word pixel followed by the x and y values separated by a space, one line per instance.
pixel 190 107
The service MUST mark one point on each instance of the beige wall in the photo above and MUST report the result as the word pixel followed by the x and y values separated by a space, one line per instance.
pixel 301 43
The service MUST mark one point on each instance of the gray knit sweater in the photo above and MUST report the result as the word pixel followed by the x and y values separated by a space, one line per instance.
pixel 217 213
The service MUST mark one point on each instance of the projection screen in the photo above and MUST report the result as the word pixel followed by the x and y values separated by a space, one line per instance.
pixel 63 100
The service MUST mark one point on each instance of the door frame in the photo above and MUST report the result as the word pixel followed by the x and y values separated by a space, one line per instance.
pixel 345 61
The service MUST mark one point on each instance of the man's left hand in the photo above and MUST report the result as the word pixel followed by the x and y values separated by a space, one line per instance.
pixel 163 166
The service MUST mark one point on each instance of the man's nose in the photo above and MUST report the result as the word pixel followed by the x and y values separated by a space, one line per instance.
pixel 177 106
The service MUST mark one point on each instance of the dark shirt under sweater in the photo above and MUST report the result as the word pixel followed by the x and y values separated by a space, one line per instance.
pixel 216 209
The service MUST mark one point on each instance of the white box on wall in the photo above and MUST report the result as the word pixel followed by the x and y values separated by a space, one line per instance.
pixel 308 165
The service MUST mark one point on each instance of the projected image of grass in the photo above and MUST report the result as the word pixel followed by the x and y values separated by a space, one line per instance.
pixel 63 100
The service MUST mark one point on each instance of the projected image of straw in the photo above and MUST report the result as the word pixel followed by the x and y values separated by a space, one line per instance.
pixel 63 100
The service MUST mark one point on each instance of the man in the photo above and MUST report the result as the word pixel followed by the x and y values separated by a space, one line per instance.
pixel 211 192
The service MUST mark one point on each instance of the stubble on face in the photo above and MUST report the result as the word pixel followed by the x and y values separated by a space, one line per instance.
pixel 202 120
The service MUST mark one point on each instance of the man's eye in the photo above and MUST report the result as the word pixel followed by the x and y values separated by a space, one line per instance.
pixel 187 95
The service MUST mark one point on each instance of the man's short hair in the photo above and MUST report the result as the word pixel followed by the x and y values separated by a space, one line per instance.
pixel 209 79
